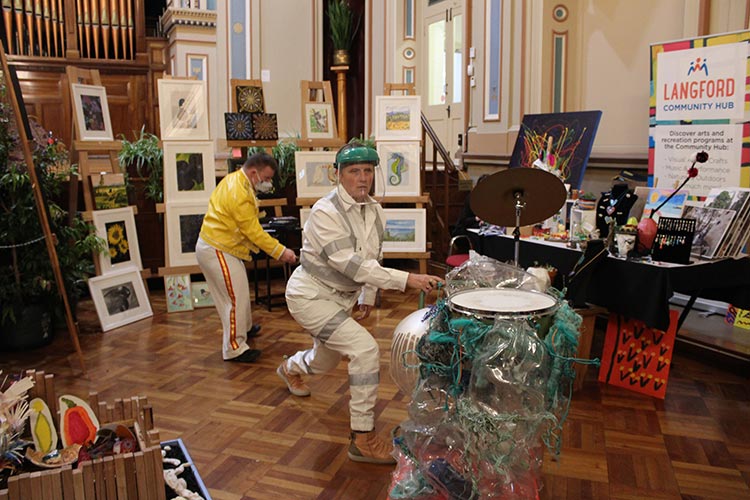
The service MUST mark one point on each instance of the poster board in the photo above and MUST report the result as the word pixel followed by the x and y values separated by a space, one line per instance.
pixel 699 101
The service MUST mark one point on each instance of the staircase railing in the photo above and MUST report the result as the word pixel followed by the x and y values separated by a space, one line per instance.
pixel 438 149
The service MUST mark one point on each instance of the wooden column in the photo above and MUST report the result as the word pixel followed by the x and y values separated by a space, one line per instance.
pixel 341 93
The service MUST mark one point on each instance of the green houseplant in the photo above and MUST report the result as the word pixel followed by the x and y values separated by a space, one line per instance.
pixel 147 159
pixel 343 29
pixel 28 295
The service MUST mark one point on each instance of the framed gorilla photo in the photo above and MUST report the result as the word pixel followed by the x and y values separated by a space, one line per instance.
pixel 189 172
pixel 120 298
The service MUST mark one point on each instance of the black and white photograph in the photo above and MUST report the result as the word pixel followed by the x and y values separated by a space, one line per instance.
pixel 120 298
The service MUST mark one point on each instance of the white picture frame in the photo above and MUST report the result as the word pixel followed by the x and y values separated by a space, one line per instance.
pixel 189 171
pixel 399 164
pixel 184 222
pixel 120 298
pixel 405 230
pixel 183 110
pixel 398 118
pixel 319 121
pixel 91 113
pixel 314 172
pixel 201 295
pixel 117 227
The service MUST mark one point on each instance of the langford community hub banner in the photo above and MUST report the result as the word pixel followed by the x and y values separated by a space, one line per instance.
pixel 700 101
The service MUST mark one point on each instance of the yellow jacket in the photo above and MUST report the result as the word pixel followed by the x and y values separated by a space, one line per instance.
pixel 231 223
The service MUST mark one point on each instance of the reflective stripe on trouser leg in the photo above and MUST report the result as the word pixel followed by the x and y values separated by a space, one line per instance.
pixel 227 281
pixel 322 312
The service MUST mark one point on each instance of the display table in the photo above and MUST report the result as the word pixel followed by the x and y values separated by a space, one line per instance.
pixel 637 290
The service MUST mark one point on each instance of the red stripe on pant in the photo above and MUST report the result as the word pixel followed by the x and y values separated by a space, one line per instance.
pixel 230 291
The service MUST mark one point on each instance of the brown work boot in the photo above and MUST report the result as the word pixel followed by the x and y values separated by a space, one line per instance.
pixel 296 385
pixel 368 447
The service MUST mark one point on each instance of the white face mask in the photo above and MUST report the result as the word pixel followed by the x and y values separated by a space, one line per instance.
pixel 264 187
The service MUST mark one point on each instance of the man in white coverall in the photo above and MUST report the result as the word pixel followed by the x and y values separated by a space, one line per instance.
pixel 343 240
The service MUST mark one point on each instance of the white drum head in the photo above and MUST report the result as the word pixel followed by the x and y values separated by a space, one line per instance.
pixel 501 302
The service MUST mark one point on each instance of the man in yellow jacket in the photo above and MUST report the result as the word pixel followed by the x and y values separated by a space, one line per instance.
pixel 230 232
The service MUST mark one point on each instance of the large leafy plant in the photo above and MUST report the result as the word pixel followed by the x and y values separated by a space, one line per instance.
pixel 24 261
pixel 342 24
pixel 147 157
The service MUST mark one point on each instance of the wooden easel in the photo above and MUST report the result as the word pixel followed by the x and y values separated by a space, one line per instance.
pixel 93 156
pixel 318 92
pixel 49 238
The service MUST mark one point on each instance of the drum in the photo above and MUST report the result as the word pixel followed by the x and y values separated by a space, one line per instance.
pixel 488 304
pixel 405 339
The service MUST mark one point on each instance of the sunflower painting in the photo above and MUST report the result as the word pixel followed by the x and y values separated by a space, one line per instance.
pixel 117 242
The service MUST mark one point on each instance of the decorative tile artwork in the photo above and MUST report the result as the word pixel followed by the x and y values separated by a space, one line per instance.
pixel 249 99
pixel 265 126
pixel 239 126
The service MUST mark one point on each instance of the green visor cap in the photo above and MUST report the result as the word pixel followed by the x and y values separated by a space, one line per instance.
pixel 356 154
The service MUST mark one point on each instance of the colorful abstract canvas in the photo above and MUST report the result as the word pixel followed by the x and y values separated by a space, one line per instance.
pixel 637 357
pixel 239 126
pixel 178 292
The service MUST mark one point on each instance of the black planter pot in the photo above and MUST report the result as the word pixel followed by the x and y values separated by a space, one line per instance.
pixel 32 329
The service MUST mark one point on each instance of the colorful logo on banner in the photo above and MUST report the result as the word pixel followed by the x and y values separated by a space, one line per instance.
pixel 637 357
pixel 686 89
pixel 739 318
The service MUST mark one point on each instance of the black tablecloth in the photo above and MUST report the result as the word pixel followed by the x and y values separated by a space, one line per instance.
pixel 634 289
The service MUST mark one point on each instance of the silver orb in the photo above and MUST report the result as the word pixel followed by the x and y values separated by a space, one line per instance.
pixel 405 338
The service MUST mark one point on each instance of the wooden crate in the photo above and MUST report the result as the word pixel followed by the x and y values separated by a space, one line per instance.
pixel 128 476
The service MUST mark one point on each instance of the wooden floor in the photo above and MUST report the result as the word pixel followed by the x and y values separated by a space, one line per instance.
pixel 250 439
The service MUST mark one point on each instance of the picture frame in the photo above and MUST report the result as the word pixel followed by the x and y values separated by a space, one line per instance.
pixel 91 114
pixel 183 110
pixel 314 172
pixel 319 121
pixel 399 162
pixel 247 96
pixel 120 298
pixel 117 227
pixel 405 230
pixel 189 171
pixel 184 222
pixel 398 118
pixel 304 214
pixel 238 126
pixel 201 295
pixel 265 126
pixel 197 65
pixel 178 293
pixel 108 190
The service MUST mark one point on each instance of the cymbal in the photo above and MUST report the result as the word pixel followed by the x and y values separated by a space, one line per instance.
pixel 493 199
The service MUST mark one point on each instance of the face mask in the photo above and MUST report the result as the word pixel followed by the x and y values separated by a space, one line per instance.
pixel 264 187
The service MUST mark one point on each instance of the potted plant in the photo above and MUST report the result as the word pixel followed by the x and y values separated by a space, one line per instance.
pixel 343 30
pixel 144 155
pixel 28 295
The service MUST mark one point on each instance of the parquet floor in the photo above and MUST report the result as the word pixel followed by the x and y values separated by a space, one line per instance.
pixel 250 439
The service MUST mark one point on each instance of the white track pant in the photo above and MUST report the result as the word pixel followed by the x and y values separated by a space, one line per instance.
pixel 325 314
pixel 227 281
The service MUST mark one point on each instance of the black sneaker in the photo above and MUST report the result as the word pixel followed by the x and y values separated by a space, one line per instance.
pixel 249 356
pixel 253 332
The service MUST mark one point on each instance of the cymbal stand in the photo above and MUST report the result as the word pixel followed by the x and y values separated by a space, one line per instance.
pixel 520 205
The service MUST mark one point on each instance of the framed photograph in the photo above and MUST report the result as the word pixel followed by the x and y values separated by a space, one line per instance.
pixel 91 112
pixel 319 121
pixel 315 173
pixel 201 294
pixel 398 118
pixel 109 190
pixel 183 110
pixel 178 292
pixel 120 298
pixel 405 230
pixel 399 162
pixel 197 66
pixel 117 227
pixel 247 96
pixel 189 171
pixel 184 222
